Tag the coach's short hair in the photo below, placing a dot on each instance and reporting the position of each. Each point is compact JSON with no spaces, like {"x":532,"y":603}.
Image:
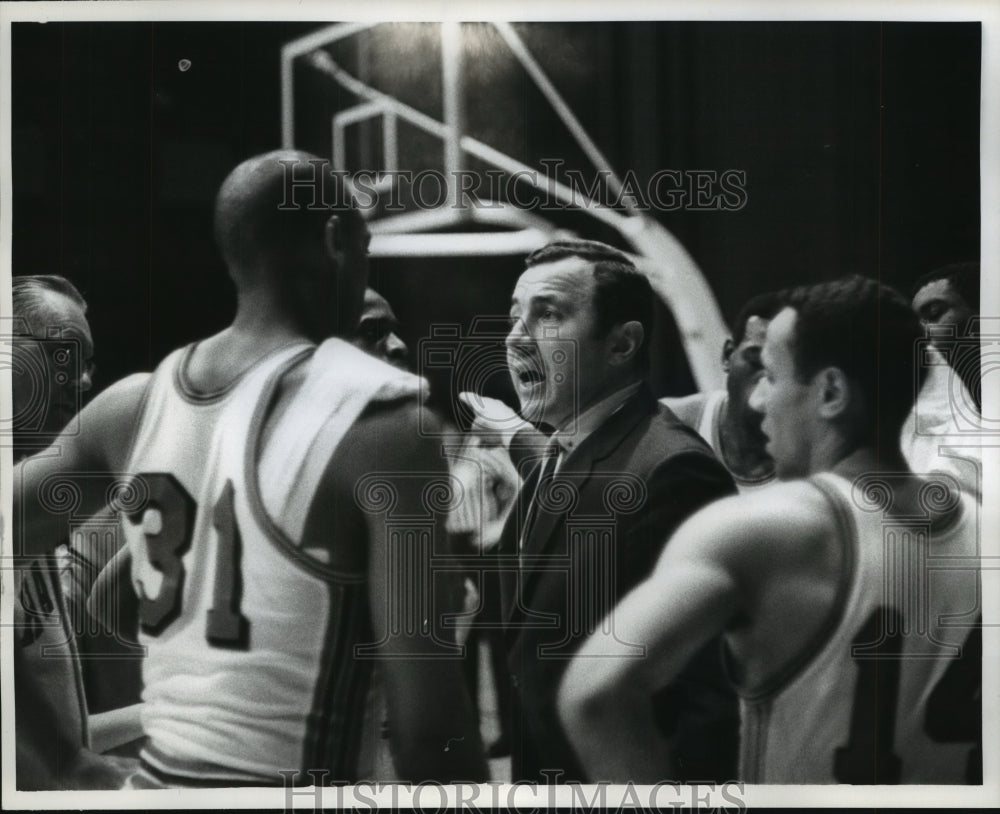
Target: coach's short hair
{"x":963,"y":277}
{"x":30,"y":305}
{"x":870,"y":333}
{"x":621,"y":293}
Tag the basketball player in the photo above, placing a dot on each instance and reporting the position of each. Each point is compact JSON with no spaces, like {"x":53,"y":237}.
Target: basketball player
{"x":846,"y":675}
{"x":378,"y":331}
{"x":947,"y":302}
{"x":724,"y":418}
{"x":488,"y":483}
{"x":731,"y":427}
{"x":258,"y":525}
{"x":937,"y":434}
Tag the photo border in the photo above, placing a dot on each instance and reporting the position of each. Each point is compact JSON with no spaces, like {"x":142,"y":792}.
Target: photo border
{"x":773,"y":10}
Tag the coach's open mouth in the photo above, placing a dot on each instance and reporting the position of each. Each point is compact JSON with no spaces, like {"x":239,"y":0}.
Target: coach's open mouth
{"x":526,"y":369}
{"x":529,"y":376}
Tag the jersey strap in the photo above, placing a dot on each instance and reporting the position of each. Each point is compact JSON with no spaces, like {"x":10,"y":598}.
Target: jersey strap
{"x":342,"y":381}
{"x":709,"y":418}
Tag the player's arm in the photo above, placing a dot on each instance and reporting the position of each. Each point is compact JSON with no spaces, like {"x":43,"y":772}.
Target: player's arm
{"x":97,"y":442}
{"x":112,"y":601}
{"x":696,"y":591}
{"x":114,"y":728}
{"x":433,"y":731}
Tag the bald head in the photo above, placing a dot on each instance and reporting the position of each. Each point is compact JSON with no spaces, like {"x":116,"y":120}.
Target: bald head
{"x":273,"y":208}
{"x":286,"y":223}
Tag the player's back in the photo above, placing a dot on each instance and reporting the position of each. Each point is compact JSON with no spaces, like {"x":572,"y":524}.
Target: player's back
{"x":880,"y":695}
{"x":249,"y":634}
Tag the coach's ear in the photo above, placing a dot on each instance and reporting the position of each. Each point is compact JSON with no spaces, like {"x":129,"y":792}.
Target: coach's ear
{"x":626,"y":340}
{"x":833,"y":391}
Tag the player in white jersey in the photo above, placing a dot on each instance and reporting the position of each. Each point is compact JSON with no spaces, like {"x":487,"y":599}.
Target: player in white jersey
{"x":286,"y":517}
{"x":847,"y":594}
{"x":724,"y":417}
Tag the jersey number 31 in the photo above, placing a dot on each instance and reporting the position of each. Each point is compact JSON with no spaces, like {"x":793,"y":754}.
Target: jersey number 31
{"x":167,"y":521}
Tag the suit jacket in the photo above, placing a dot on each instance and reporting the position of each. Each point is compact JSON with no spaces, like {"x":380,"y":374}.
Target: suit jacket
{"x":595,"y":534}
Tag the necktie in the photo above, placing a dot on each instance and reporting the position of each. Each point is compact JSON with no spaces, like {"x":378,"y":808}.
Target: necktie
{"x":548,"y":468}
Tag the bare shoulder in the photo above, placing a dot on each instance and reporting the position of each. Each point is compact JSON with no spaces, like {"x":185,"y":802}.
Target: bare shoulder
{"x":110,"y":420}
{"x":124,"y":396}
{"x":747,"y":532}
{"x":399,"y":438}
{"x":397,"y":431}
{"x":686,"y":408}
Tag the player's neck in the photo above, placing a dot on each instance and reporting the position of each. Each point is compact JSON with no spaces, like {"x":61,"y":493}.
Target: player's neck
{"x":224,"y":357}
{"x":867,"y":460}
{"x":261,"y":321}
{"x":262,"y":330}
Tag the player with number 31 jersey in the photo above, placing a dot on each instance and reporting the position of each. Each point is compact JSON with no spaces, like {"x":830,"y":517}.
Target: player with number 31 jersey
{"x":231,"y":608}
{"x":272,"y":576}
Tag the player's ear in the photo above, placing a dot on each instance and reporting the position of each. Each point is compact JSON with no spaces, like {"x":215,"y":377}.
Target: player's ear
{"x":834,"y":392}
{"x":727,"y":351}
{"x":334,"y":238}
{"x":626,"y":339}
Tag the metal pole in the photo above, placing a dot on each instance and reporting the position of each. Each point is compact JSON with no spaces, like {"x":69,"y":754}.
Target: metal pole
{"x":451,"y":69}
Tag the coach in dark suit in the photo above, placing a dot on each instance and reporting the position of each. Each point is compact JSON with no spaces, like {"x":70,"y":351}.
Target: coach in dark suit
{"x":601,"y":496}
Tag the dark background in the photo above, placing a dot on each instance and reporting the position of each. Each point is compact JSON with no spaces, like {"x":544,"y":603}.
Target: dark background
{"x":860,"y":142}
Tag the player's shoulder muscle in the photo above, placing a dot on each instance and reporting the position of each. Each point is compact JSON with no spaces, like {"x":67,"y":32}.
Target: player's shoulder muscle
{"x":109,"y":422}
{"x":400,"y":433}
{"x":100,"y":437}
{"x":748,"y":533}
{"x":393,"y":442}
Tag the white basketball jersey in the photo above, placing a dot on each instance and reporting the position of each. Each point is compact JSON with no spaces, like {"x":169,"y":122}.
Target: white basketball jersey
{"x":708,"y":428}
{"x":882,"y":696}
{"x":249,"y":669}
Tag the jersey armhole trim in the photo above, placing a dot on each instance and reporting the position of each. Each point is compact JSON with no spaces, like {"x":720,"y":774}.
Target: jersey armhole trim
{"x":190,"y":394}
{"x":700,"y":420}
{"x":716,"y":443}
{"x":250,"y":474}
{"x":139,"y":421}
{"x":847,"y":533}
{"x":948,"y":520}
{"x":716,"y":440}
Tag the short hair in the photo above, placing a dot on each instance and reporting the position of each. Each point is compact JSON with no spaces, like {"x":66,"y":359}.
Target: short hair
{"x":765,"y":305}
{"x":29,"y":303}
{"x":621,"y":292}
{"x":963,"y":277}
{"x":870,"y":333}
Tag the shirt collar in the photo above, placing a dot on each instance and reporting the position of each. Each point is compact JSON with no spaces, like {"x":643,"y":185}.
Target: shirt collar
{"x":592,"y":418}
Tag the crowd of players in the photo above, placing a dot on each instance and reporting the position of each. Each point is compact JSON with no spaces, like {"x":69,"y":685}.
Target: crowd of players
{"x":731,"y":585}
